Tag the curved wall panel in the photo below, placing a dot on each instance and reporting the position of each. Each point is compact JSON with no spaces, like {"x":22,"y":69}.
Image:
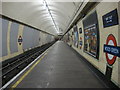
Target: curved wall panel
{"x":4,"y":36}
{"x":14,"y":37}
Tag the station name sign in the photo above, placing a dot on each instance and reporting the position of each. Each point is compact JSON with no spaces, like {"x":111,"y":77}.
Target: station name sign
{"x":114,"y":50}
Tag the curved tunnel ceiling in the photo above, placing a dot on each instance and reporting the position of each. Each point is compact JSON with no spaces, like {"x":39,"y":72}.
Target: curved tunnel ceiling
{"x":46,"y":16}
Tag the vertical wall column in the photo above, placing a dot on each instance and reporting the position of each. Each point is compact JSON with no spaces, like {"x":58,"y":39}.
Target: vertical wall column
{"x":20,"y":33}
{"x":8,"y":38}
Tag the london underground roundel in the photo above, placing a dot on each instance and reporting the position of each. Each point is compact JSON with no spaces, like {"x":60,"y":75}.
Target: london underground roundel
{"x":20,"y":40}
{"x":112,"y":42}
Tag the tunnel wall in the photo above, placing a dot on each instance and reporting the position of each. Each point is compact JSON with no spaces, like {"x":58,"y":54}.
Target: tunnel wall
{"x":99,"y":62}
{"x":17,"y":38}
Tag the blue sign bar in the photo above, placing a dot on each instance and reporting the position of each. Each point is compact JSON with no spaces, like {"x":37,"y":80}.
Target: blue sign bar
{"x":114,"y":50}
{"x":20,"y":40}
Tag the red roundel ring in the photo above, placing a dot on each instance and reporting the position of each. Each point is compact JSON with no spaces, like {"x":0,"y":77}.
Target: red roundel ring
{"x":112,"y":38}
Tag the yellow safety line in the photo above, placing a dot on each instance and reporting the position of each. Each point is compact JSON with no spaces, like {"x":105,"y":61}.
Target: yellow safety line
{"x":18,"y":82}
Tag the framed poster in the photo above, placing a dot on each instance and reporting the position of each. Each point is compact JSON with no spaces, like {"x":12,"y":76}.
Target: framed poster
{"x":91,"y":40}
{"x":76,"y":36}
{"x":91,"y":35}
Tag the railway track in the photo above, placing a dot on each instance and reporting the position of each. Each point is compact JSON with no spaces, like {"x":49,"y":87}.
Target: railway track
{"x":13,"y":66}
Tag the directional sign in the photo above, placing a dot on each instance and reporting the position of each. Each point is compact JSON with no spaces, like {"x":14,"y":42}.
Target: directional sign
{"x":111,"y":19}
{"x":111,"y":49}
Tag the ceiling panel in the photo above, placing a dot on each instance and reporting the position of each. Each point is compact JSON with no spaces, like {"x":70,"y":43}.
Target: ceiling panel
{"x":47,"y":16}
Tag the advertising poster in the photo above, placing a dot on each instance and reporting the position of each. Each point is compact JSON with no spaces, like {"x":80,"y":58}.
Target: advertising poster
{"x":91,"y":35}
{"x":76,"y":37}
{"x":91,"y":40}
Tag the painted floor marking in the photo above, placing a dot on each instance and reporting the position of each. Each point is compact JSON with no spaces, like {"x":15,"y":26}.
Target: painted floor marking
{"x":20,"y":80}
{"x":8,"y":83}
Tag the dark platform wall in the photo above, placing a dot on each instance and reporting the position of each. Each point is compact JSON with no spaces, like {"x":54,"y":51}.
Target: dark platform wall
{"x":36,"y":37}
{"x":28,"y":38}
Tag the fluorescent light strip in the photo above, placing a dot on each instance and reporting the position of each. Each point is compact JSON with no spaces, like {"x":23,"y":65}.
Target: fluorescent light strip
{"x":48,"y":10}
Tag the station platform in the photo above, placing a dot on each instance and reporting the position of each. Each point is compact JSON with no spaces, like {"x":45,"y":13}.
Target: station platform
{"x":59,"y":67}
